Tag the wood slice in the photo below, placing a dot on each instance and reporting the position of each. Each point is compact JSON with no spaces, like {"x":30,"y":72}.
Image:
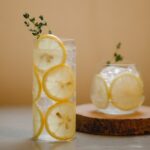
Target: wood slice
{"x":93,"y":122}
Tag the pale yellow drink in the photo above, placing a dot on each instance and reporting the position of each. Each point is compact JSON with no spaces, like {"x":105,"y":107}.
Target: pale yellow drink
{"x":54,"y":89}
{"x":117,"y":89}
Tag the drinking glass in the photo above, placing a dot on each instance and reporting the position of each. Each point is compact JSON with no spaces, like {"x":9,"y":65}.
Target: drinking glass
{"x":54,"y":89}
{"x":117,"y":89}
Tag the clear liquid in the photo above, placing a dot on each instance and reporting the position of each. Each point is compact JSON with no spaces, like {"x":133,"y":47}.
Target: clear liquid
{"x":44,"y":102}
{"x":109,"y":73}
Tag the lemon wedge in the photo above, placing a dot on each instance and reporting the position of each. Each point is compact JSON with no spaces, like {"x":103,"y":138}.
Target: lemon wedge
{"x":50,"y":52}
{"x":38,"y":121}
{"x":36,"y":85}
{"x":59,"y":83}
{"x":100,"y":94}
{"x":127,"y":92}
{"x":60,"y":120}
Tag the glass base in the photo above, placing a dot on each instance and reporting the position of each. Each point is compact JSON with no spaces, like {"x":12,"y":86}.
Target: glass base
{"x":46,"y":137}
{"x":115,"y":111}
{"x":50,"y":139}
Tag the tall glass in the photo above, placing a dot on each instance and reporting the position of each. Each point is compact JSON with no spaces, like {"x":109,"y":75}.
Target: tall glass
{"x":54,"y":89}
{"x":117,"y":89}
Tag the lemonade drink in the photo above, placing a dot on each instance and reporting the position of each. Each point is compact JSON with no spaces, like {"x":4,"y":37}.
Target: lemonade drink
{"x":54,"y":89}
{"x":117,"y":89}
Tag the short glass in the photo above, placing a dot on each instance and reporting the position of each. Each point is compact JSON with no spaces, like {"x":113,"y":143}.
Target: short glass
{"x":54,"y":89}
{"x":117,"y":89}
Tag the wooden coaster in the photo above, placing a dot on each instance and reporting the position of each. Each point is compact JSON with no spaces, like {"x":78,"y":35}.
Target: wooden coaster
{"x":93,"y":122}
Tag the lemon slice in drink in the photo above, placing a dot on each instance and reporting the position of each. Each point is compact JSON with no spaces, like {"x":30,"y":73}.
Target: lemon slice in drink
{"x":100,"y":94}
{"x":127,"y":92}
{"x":58,"y":83}
{"x":38,"y":121}
{"x":50,"y":52}
{"x":60,"y":120}
{"x":36,"y":85}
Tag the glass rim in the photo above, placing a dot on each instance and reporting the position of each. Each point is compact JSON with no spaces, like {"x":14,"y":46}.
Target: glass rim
{"x":61,"y":38}
{"x":123,"y":65}
{"x":66,"y":39}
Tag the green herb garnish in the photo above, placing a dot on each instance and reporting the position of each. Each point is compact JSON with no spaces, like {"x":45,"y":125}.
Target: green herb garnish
{"x":116,"y":57}
{"x":34,"y":26}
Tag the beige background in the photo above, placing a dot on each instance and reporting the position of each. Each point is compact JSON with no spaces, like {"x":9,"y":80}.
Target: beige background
{"x":96,"y":25}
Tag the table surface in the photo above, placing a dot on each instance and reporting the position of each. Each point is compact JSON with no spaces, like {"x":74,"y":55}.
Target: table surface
{"x":16,"y":132}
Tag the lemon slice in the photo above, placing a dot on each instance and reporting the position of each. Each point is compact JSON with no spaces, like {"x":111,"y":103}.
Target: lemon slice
{"x":38,"y":121}
{"x":36,"y":85}
{"x":58,"y":83}
{"x":127,"y":92}
{"x":60,"y":120}
{"x":50,"y":52}
{"x":100,"y":94}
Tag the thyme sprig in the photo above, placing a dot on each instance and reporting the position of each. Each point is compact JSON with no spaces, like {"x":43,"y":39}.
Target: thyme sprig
{"x":116,"y":56}
{"x":35,"y":26}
